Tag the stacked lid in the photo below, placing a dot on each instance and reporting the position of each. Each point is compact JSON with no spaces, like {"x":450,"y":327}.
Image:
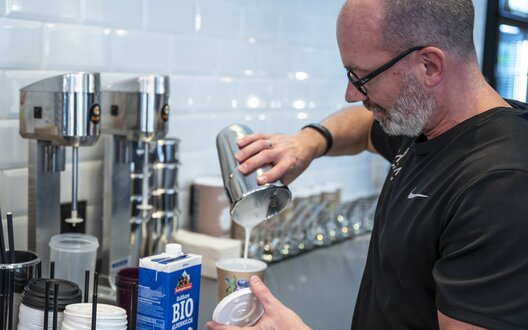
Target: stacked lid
{"x":31,"y":313}
{"x":79,"y":317}
{"x":35,"y":292}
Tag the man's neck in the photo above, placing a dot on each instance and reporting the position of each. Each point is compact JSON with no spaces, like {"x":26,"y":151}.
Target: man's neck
{"x":462,"y":99}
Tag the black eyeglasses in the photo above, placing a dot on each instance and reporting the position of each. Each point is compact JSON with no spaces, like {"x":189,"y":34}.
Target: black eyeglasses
{"x":360,"y":82}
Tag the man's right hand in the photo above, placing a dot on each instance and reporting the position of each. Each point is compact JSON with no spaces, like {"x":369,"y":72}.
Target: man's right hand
{"x":289,"y":155}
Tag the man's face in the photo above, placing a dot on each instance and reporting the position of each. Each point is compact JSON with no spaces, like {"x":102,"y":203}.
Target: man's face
{"x":396,"y":97}
{"x":410,"y":111}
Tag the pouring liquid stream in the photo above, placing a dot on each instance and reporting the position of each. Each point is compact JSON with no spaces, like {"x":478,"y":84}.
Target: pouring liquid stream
{"x":253,"y":214}
{"x":246,"y":245}
{"x":248,"y":226}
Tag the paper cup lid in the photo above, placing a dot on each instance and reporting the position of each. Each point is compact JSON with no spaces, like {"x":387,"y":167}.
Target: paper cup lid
{"x":104,"y":311}
{"x":241,"y":308}
{"x":34,"y":294}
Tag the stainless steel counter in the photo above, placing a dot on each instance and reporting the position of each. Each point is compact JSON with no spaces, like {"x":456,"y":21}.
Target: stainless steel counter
{"x":320,"y":286}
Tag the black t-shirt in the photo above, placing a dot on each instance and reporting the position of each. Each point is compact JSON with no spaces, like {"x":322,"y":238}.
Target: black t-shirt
{"x":451,"y":228}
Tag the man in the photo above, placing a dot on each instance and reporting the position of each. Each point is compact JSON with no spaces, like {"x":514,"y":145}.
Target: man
{"x":448,"y":248}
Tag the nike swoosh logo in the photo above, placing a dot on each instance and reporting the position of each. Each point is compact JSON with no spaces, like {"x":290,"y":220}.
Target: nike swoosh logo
{"x":413,"y":195}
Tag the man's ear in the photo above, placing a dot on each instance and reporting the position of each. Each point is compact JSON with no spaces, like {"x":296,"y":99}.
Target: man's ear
{"x":433,"y":65}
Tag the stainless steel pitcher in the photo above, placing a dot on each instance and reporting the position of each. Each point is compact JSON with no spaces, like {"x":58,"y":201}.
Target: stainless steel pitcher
{"x":250,"y":202}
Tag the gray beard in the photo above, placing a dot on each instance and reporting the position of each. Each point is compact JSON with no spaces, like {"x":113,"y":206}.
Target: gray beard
{"x":411,"y":112}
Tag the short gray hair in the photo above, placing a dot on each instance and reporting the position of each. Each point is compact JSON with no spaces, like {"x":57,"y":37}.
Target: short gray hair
{"x":447,"y":24}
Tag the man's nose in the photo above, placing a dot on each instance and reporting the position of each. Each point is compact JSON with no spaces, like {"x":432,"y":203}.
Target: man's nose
{"x":352,"y":94}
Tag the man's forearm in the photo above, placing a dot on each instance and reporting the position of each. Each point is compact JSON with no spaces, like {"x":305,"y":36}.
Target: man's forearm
{"x":350,"y":129}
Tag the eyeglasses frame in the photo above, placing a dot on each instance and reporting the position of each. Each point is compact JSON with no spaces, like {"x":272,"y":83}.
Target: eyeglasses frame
{"x":360,"y":82}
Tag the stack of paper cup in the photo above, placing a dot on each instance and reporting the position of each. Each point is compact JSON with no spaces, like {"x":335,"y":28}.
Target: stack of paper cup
{"x":79,"y":317}
{"x":31,"y":313}
{"x":32,"y":318}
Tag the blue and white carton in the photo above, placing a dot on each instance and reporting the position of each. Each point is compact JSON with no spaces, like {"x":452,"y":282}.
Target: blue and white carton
{"x":169,"y":290}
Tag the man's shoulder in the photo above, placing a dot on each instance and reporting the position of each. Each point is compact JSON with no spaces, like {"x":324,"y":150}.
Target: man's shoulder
{"x":517,"y":104}
{"x":504,"y":122}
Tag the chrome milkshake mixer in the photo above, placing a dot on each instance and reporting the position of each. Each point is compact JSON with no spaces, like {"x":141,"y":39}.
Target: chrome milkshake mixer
{"x":57,"y":112}
{"x":135,"y":119}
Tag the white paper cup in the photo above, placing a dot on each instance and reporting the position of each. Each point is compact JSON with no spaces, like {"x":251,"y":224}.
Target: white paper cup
{"x":234,"y":273}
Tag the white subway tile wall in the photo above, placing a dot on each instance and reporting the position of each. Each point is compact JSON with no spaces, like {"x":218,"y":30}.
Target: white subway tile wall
{"x":140,"y":51}
{"x":195,"y":56}
{"x":169,"y":16}
{"x":260,"y":25}
{"x":271,"y":64}
{"x":237,"y":58}
{"x":70,"y":47}
{"x":119,"y":14}
{"x":20,"y":44}
{"x":50,"y":10}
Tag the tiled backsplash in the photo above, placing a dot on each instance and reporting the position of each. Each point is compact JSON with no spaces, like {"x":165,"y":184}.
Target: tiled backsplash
{"x":272,"y":64}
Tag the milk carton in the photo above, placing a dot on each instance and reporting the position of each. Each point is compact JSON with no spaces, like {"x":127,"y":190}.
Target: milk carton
{"x":169,"y":290}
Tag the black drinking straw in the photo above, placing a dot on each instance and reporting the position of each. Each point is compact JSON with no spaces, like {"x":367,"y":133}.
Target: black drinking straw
{"x":55,"y":304}
{"x":10,"y":237}
{"x":11,"y":274}
{"x":52,"y":270}
{"x":2,"y":277}
{"x":133,"y":307}
{"x":46,"y":305}
{"x":39,"y":270}
{"x":94,"y":300}
{"x":86,"y":285}
{"x":2,"y":242}
{"x":2,"y":272}
{"x":2,"y":293}
{"x":11,"y":284}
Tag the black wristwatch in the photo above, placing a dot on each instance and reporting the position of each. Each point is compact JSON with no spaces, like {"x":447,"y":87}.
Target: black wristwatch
{"x":324,"y":132}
